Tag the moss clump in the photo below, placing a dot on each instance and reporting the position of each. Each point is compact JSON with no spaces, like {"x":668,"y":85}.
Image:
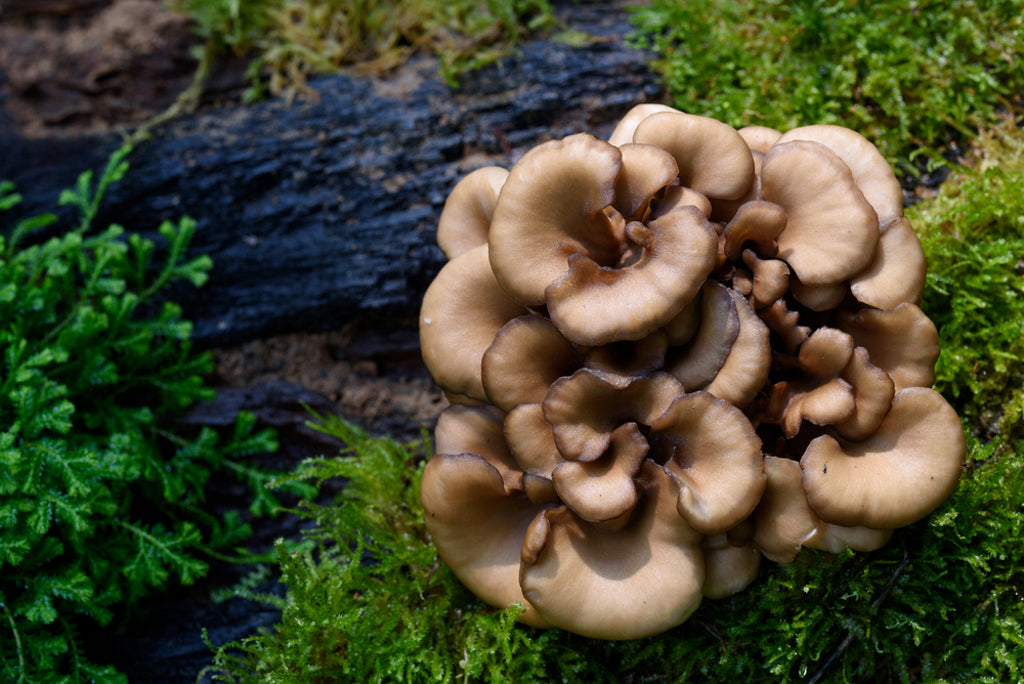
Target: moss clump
{"x":904,"y":73}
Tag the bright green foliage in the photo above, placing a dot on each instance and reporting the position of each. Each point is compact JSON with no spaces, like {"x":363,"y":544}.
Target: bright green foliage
{"x":943,"y":601}
{"x":973,"y":233}
{"x":99,"y":498}
{"x":291,"y":40}
{"x":905,"y":73}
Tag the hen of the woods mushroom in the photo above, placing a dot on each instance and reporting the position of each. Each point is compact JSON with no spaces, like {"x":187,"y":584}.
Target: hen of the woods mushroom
{"x":669,"y":355}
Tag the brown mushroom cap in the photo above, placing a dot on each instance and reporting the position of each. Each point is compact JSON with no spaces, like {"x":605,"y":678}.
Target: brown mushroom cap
{"x":713,"y":159}
{"x":466,"y":217}
{"x":818,"y":297}
{"x":624,"y":130}
{"x":531,"y":441}
{"x":463,"y":309}
{"x":477,"y":430}
{"x":646,"y":170}
{"x":526,"y":356}
{"x":552,"y":206}
{"x":896,"y":476}
{"x":710,"y":448}
{"x":757,"y":221}
{"x":770,"y":279}
{"x":594,"y":305}
{"x":827,"y":404}
{"x":719,"y":324}
{"x":745,"y":371}
{"x":621,"y":362}
{"x":629,"y":583}
{"x":902,"y":341}
{"x":759,"y":138}
{"x":831,"y":229}
{"x":871,"y":172}
{"x":730,"y":568}
{"x":584,"y":409}
{"x":786,"y":324}
{"x":897,"y":271}
{"x":603,"y":490}
{"x":478,"y":527}
{"x":873,"y":391}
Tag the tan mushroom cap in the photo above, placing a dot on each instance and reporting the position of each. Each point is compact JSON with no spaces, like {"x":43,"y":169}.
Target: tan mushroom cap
{"x":825,"y":353}
{"x":896,"y":274}
{"x":873,"y":391}
{"x":759,"y":138}
{"x":630,"y":583}
{"x":477,"y":430}
{"x":902,"y":341}
{"x":603,"y":490}
{"x":896,"y":476}
{"x":730,"y":568}
{"x":463,"y":309}
{"x":770,"y":279}
{"x":713,"y":158}
{"x":552,"y":206}
{"x":818,"y":297}
{"x":676,"y":196}
{"x":594,"y":305}
{"x":784,"y":522}
{"x":757,"y":221}
{"x":478,"y":527}
{"x":745,"y":370}
{"x":624,"y":130}
{"x":827,"y":404}
{"x":646,"y":170}
{"x":526,"y":356}
{"x":831,"y":230}
{"x":719,"y":325}
{"x":531,"y":441}
{"x":466,"y":217}
{"x":622,"y":362}
{"x":584,"y":409}
{"x":871,"y":172}
{"x":710,"y":448}
{"x":786,"y":324}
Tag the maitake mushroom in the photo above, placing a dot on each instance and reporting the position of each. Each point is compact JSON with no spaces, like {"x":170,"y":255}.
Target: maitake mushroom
{"x":669,"y":355}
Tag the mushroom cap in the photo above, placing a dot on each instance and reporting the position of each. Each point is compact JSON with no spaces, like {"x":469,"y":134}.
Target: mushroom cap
{"x":477,"y":430}
{"x":624,"y":130}
{"x":786,"y":324}
{"x":896,"y":476}
{"x":831,"y":228}
{"x":603,"y":490}
{"x":710,"y":448}
{"x":745,"y":370}
{"x":713,"y":158}
{"x":756,"y":221}
{"x":729,"y":569}
{"x":478,"y":527}
{"x":646,"y":170}
{"x":871,"y":172}
{"x":628,"y":583}
{"x":825,"y":353}
{"x":818,"y":297}
{"x":759,"y":138}
{"x":873,"y":391}
{"x":531,"y":441}
{"x":621,"y":362}
{"x":770,"y":279}
{"x":896,"y":273}
{"x":594,"y":305}
{"x":583,"y":409}
{"x":550,"y":207}
{"x":526,"y":356}
{"x":902,"y":341}
{"x":463,"y":309}
{"x":466,"y":217}
{"x":717,"y":329}
{"x":827,"y":404}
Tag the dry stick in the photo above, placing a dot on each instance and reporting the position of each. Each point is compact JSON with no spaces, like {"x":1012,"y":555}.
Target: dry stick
{"x":874,"y":608}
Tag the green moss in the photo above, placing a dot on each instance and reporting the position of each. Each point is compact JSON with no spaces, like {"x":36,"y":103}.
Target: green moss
{"x":905,"y":73}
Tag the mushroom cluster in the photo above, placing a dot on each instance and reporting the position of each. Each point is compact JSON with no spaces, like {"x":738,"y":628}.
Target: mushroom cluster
{"x":670,"y":354}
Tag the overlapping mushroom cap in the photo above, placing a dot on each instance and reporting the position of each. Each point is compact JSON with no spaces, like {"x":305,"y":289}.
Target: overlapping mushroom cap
{"x":669,"y":355}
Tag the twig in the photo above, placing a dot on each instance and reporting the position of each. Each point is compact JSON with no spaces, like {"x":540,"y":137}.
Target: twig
{"x":848,"y":639}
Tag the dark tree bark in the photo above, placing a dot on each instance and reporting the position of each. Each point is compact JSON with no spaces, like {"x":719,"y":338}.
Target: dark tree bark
{"x":321,"y":213}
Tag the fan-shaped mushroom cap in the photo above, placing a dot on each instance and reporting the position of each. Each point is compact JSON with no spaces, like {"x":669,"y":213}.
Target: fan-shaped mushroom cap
{"x":531,"y":441}
{"x":826,"y":404}
{"x":759,"y":222}
{"x":745,"y":371}
{"x":719,"y":324}
{"x":759,"y":138}
{"x":818,"y":297}
{"x":467,"y":212}
{"x":770,"y":279}
{"x":831,"y":229}
{"x":526,"y":356}
{"x":603,"y":490}
{"x":871,"y":172}
{"x":646,"y":170}
{"x":730,"y":567}
{"x":629,"y":583}
{"x":902,"y":341}
{"x":896,"y":273}
{"x":462,"y":310}
{"x":552,"y":206}
{"x":825,"y":353}
{"x":624,"y":130}
{"x":594,"y":305}
{"x":584,"y":409}
{"x":710,"y":448}
{"x":713,"y":159}
{"x":477,"y":430}
{"x":784,"y":522}
{"x":622,"y":362}
{"x":786,"y":324}
{"x":478,"y":527}
{"x":896,"y":476}
{"x":676,"y":196}
{"x":873,"y":391}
